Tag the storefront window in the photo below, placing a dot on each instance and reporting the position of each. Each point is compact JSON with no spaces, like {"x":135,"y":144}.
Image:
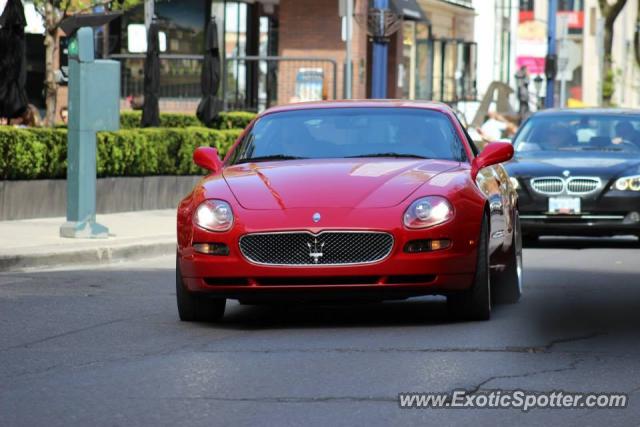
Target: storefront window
{"x":437,"y":70}
{"x":423,"y":66}
{"x":406,"y":71}
{"x":450,"y":60}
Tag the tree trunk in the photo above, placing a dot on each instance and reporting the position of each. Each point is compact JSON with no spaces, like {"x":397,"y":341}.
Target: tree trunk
{"x":51,"y":87}
{"x":610,"y":12}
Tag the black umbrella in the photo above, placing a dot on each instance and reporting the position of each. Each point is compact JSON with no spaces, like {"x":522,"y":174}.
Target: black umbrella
{"x":13,"y":70}
{"x":209,"y":106}
{"x":151,"y":109}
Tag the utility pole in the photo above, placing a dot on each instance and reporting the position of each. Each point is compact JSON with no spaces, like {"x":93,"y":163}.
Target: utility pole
{"x":380,"y":53}
{"x":148,"y":12}
{"x":563,"y":59}
{"x":348,"y":69}
{"x":551,"y":66}
{"x":600,"y":48}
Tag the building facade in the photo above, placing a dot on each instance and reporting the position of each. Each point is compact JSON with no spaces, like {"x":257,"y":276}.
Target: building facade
{"x":283,"y":51}
{"x":581,"y":50}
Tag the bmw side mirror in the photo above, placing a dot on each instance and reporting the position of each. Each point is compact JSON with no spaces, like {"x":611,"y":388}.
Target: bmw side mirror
{"x":494,"y":153}
{"x":207,"y":158}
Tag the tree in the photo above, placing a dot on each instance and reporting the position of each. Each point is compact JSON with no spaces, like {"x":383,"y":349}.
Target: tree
{"x":53,"y":12}
{"x":610,"y":12}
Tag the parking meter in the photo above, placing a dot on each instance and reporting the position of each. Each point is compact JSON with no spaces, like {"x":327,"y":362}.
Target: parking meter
{"x":94,"y":105}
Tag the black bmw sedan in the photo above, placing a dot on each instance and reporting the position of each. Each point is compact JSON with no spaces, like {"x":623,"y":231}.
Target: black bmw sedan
{"x":577,"y":172}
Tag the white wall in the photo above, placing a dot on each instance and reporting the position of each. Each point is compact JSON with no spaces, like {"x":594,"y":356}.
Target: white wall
{"x":487,"y":35}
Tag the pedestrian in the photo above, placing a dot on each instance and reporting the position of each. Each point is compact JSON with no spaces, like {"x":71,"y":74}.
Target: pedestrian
{"x":496,"y":127}
{"x":64,"y":115}
{"x":29,"y":118}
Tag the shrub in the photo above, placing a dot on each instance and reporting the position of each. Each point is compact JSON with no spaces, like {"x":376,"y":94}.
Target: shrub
{"x":226,"y":120}
{"x":41,"y":153}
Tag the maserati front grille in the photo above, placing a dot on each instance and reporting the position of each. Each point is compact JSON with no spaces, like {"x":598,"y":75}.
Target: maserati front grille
{"x":548,"y":185}
{"x":301,"y":248}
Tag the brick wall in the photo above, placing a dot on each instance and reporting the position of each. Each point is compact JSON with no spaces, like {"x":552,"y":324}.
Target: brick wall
{"x":312,"y":28}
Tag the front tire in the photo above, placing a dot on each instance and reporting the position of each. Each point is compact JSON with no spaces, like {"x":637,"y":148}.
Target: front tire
{"x":475,"y":304}
{"x":507,"y":286}
{"x":196,"y":308}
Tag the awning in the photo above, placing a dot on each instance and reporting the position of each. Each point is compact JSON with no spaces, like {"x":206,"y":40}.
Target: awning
{"x":408,"y":9}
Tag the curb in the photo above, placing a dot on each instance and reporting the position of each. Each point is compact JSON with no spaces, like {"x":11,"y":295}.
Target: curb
{"x":84,"y":256}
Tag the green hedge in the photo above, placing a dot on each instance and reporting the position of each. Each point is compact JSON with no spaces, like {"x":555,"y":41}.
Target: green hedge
{"x":226,"y":120}
{"x":41,"y":153}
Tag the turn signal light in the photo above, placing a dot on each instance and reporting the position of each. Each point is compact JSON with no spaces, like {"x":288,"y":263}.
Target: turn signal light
{"x":417,"y":246}
{"x":211,"y":248}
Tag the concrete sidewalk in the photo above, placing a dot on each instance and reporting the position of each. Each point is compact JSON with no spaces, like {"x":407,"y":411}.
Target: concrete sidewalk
{"x":35,"y":243}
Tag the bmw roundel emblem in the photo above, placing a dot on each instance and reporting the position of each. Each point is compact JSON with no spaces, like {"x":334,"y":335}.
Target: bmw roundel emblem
{"x":566,"y":173}
{"x":316,"y":217}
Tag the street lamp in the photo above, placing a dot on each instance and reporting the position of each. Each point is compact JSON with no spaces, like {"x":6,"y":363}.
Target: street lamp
{"x":522,"y":83}
{"x":537,"y":84}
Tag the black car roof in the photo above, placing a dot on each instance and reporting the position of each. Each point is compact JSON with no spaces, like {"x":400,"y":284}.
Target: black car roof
{"x":587,"y":111}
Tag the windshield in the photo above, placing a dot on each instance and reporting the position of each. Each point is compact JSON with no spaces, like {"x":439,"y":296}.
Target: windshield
{"x":350,"y":133}
{"x":580,"y":132}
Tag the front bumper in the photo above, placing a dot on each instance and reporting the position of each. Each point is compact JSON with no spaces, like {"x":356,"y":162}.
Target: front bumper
{"x":577,"y":225}
{"x":603,"y":214}
{"x":400,"y":275}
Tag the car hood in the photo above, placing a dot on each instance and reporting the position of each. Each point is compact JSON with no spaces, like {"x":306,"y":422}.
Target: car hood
{"x":341,"y":183}
{"x":602,"y":164}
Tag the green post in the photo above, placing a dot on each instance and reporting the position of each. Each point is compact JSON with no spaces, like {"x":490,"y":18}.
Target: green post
{"x":94,"y":105}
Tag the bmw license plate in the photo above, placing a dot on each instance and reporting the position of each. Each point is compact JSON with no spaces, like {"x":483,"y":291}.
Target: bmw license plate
{"x":564,"y":205}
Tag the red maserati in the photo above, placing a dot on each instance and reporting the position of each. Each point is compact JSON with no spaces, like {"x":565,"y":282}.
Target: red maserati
{"x":350,"y":200}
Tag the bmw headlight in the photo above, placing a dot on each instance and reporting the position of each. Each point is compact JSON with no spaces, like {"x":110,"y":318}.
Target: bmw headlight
{"x":214,"y":215}
{"x":427,"y":212}
{"x":628,"y":183}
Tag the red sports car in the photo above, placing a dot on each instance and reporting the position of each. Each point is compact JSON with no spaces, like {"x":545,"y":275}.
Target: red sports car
{"x":336,"y":200}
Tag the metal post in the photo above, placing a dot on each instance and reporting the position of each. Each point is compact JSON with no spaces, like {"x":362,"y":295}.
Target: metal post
{"x":549,"y":100}
{"x":380,"y":57}
{"x":148,"y":12}
{"x":600,"y":48}
{"x":348,"y":81}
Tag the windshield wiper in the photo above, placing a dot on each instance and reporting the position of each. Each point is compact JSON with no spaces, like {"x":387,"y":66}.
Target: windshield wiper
{"x":274,"y":157}
{"x":397,"y":155}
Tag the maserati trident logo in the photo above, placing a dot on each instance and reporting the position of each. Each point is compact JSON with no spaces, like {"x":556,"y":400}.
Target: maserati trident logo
{"x":315,"y":250}
{"x":316,"y":217}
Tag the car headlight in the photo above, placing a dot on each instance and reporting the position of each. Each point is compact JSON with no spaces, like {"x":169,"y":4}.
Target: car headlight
{"x":427,"y":212}
{"x":514,"y":183}
{"x":214,"y":215}
{"x":628,"y":183}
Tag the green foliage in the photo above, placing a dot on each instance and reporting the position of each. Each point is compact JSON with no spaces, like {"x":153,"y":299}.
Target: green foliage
{"x":611,"y":77}
{"x":226,"y":120}
{"x":41,"y":153}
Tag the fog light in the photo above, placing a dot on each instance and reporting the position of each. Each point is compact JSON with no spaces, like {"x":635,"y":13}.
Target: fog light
{"x":417,"y":246}
{"x":212,"y":248}
{"x":632,"y":218}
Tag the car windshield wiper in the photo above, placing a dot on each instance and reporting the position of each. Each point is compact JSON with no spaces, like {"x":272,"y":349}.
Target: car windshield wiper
{"x":398,"y":155}
{"x":274,"y":157}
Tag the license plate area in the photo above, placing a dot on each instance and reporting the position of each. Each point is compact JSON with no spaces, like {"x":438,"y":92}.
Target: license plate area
{"x":565,"y":205}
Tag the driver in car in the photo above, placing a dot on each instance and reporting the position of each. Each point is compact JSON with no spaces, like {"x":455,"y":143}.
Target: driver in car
{"x":626,"y":132}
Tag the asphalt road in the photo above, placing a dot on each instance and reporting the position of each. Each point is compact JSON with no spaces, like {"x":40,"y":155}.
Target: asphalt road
{"x":104,"y":347}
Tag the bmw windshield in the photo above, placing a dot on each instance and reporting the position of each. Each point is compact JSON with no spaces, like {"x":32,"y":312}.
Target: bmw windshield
{"x":351,"y":133}
{"x":580,"y":133}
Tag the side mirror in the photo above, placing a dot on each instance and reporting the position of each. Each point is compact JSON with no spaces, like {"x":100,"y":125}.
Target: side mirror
{"x":207,"y":158}
{"x":494,"y":153}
